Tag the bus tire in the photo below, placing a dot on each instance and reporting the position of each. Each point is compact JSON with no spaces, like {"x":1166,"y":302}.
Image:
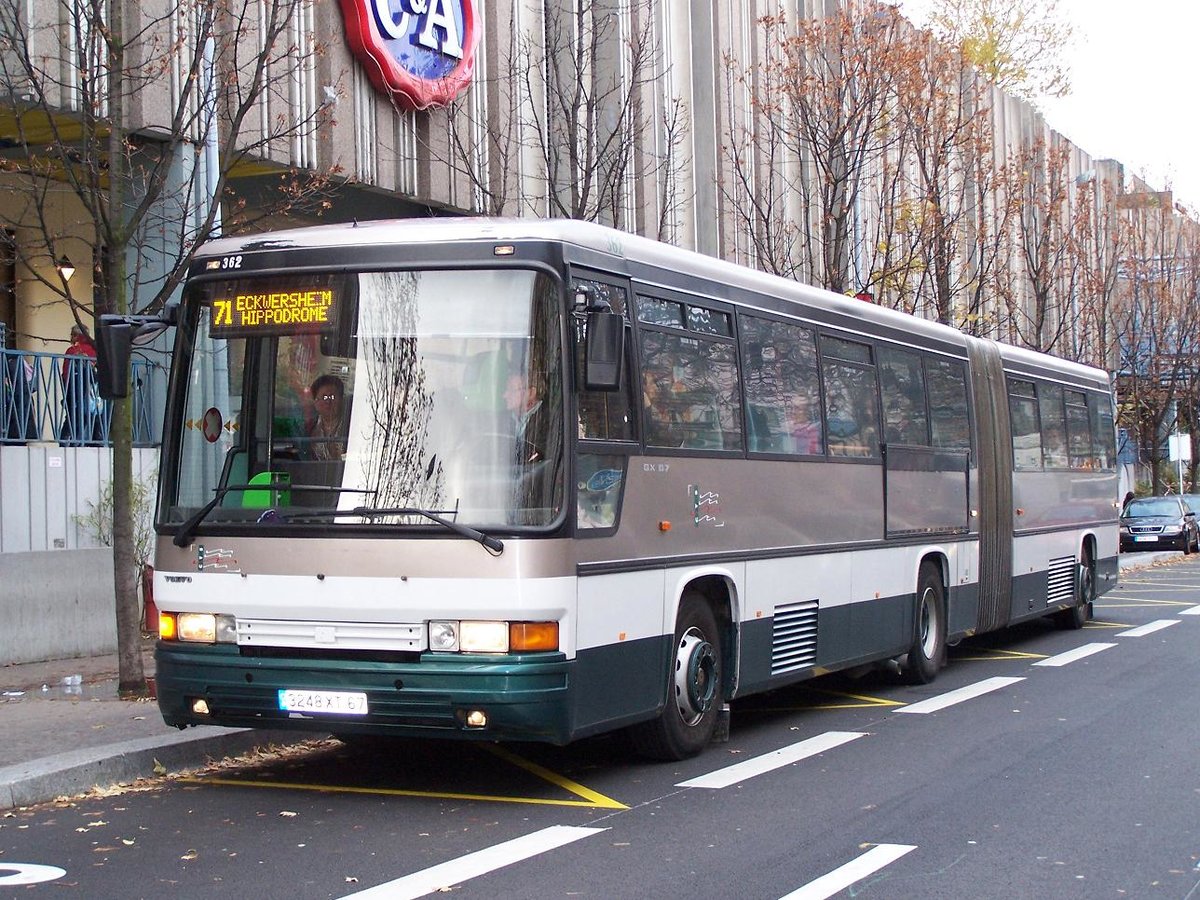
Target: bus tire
{"x":695,"y":693}
{"x":1085,"y":589}
{"x":928,"y":651}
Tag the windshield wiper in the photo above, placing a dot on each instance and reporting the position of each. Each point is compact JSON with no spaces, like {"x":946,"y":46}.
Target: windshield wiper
{"x":184,"y":534}
{"x":369,"y":512}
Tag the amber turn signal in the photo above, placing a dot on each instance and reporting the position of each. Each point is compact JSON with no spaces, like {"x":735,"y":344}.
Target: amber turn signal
{"x":532,"y":636}
{"x":166,"y":627}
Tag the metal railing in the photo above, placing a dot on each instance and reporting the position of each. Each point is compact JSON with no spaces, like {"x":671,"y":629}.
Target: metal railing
{"x":54,"y":397}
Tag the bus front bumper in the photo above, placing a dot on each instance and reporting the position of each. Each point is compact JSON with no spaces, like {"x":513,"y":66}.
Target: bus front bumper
{"x":520,"y":697}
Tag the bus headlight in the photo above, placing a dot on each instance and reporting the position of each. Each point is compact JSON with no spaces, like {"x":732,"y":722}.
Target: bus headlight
{"x":492,"y":637}
{"x":201,"y":628}
{"x":443,"y":636}
{"x":483,"y":637}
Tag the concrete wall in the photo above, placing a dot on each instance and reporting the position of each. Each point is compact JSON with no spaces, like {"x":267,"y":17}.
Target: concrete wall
{"x":44,"y":487}
{"x":56,"y":581}
{"x":56,"y":604}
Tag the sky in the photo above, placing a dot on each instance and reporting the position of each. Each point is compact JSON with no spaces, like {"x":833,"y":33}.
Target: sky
{"x":1134,"y":68}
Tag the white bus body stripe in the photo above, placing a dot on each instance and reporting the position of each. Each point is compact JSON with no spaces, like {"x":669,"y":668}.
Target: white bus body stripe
{"x":1148,"y":628}
{"x":456,"y":871}
{"x":768,"y":762}
{"x":971,"y":691}
{"x":856,"y":870}
{"x":1071,"y":655}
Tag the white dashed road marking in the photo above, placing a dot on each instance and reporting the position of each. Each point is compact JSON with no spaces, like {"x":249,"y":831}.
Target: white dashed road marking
{"x":856,"y":870}
{"x":768,"y":762}
{"x":1149,"y":628}
{"x":456,"y":871}
{"x":970,"y":692}
{"x":1072,"y":655}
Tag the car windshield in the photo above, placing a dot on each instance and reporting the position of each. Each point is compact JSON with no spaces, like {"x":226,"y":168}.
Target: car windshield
{"x":438,"y":391}
{"x":1153,"y":506}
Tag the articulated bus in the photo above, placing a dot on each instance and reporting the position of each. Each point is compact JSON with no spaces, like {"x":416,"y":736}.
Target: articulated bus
{"x":539,"y":480}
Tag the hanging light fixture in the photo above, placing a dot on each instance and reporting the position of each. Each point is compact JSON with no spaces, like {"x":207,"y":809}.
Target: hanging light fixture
{"x":65,"y":267}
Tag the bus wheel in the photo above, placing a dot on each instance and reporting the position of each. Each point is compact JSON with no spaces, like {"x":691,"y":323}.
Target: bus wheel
{"x":1085,"y":588}
{"x":928,"y":651}
{"x":694,"y":691}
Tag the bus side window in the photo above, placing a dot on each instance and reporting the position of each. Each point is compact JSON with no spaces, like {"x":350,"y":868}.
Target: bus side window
{"x":603,"y":415}
{"x":1026,"y":433}
{"x":948,"y":419}
{"x":779,"y":363}
{"x":1079,"y":434}
{"x":1054,"y":426}
{"x":902,"y":384}
{"x":690,"y":389}
{"x":1104,"y":446}
{"x":851,"y":405}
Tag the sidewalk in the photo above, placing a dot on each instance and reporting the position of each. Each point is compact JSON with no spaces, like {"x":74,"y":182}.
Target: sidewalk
{"x":61,"y":739}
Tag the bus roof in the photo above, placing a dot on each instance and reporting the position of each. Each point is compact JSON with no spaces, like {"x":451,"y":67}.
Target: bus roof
{"x":632,"y":248}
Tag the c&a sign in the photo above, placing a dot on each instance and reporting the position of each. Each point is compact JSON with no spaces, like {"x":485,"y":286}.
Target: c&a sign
{"x":421,"y":52}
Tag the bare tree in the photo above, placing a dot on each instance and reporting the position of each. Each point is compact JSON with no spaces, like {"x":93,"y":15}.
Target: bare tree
{"x":1042,"y":287}
{"x":952,"y":181}
{"x":1099,"y":244}
{"x":1016,"y":45}
{"x":574,"y":118}
{"x":1159,"y":323}
{"x":823,"y":104}
{"x":113,"y":104}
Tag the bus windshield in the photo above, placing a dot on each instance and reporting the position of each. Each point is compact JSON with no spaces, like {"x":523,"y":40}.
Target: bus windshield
{"x":347,"y":399}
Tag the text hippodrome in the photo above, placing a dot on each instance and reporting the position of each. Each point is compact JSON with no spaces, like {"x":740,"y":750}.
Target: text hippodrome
{"x":275,"y":308}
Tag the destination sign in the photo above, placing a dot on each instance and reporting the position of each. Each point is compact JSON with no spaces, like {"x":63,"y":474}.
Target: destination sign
{"x":274,"y":312}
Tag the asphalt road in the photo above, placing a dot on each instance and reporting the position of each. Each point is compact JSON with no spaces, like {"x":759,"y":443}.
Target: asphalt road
{"x":1041,"y":763}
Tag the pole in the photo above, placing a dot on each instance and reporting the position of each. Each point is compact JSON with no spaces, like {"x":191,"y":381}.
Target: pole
{"x":211,"y":154}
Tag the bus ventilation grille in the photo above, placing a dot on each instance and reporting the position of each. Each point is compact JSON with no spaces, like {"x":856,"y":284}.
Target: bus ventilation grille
{"x":1060,"y":586}
{"x":794,"y":638}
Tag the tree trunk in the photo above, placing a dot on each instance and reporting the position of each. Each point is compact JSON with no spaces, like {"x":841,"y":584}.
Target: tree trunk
{"x":131,"y":673}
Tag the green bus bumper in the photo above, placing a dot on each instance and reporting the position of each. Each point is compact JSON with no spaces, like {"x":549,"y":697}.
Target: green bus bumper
{"x":523,"y":697}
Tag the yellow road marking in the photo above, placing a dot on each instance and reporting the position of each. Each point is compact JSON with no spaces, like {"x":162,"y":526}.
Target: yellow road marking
{"x":989,"y":655}
{"x":1096,"y":623}
{"x":595,"y":799}
{"x":589,"y":799}
{"x":1158,"y":586}
{"x":1135,"y":602}
{"x":398,"y":792}
{"x":865,"y":702}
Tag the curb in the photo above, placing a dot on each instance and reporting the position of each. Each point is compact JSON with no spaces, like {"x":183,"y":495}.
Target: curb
{"x":79,"y":771}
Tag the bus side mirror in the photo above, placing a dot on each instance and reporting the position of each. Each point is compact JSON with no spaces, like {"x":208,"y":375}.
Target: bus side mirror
{"x":604,"y":351}
{"x":114,"y":346}
{"x":116,"y":336}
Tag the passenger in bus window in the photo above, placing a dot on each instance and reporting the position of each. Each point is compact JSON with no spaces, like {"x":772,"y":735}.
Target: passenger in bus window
{"x":523,"y":400}
{"x":662,"y":420}
{"x":900,"y":426}
{"x":327,"y":430}
{"x":805,"y":424}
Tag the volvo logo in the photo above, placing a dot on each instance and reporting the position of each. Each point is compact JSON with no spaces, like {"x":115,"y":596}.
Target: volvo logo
{"x":419,"y":52}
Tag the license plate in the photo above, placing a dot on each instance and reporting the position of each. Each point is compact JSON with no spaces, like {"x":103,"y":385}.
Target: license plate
{"x":343,"y":703}
{"x":1145,"y":538}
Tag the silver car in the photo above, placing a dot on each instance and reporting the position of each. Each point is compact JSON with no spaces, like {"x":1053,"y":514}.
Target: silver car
{"x":1159,"y":523}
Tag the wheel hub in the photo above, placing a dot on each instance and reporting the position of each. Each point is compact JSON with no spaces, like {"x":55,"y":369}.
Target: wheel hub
{"x":695,"y":676}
